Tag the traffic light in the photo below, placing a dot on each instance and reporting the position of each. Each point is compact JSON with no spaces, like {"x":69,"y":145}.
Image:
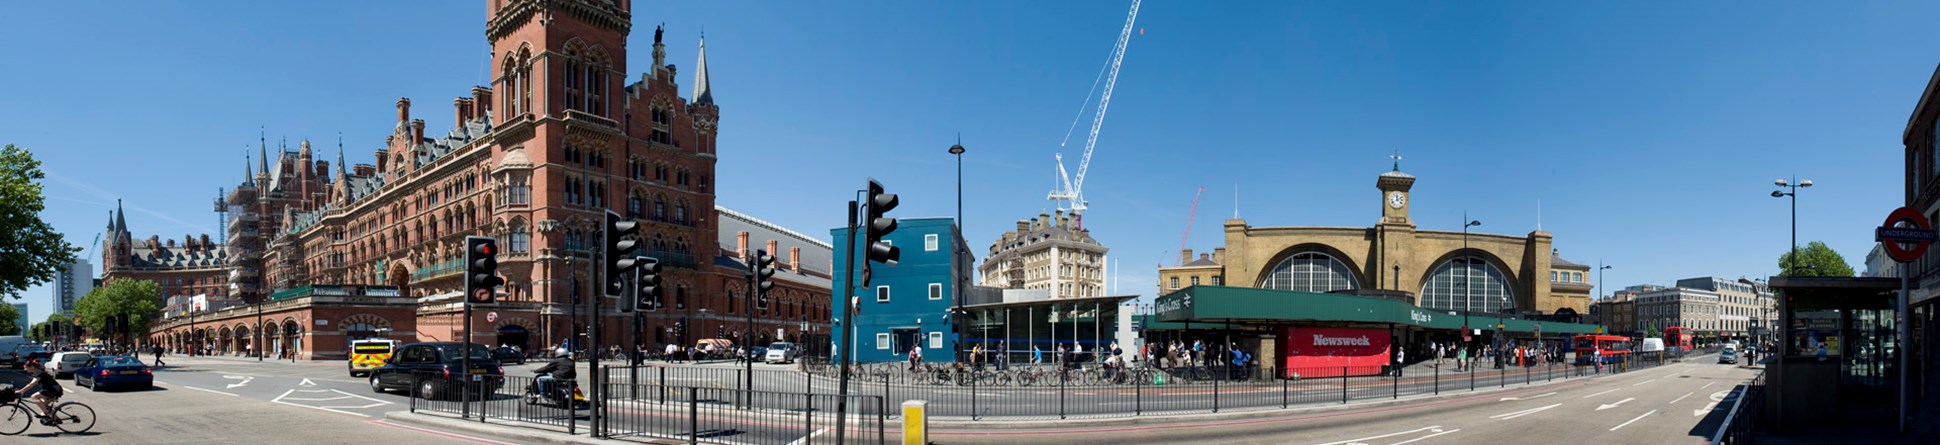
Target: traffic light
{"x":481,"y":270}
{"x":646,"y":284}
{"x":764,"y":277}
{"x":619,"y":249}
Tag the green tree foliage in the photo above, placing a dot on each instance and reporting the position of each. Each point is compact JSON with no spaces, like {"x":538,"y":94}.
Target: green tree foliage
{"x":9,"y":319}
{"x":137,"y":299}
{"x":30,"y":249}
{"x":44,"y":330}
{"x":1814,"y":260}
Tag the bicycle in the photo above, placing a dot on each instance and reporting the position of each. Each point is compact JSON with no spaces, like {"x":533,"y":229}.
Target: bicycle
{"x":16,"y":416}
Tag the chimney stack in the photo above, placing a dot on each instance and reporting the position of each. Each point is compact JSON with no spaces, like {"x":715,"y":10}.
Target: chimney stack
{"x":741,"y":244}
{"x":1219,"y":255}
{"x":417,"y":131}
{"x":1185,"y":256}
{"x":481,"y":101}
{"x":795,"y":259}
{"x":773,"y":246}
{"x":381,"y":159}
{"x":403,"y":109}
{"x":1023,"y":227}
{"x":462,"y":111}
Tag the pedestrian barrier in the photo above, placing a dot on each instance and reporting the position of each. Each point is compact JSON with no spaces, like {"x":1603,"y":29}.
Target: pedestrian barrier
{"x":1742,"y":421}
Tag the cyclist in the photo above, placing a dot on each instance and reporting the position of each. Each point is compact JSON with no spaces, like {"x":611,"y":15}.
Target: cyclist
{"x":50,"y":390}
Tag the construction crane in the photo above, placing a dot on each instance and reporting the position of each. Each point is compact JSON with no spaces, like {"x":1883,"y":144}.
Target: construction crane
{"x":1189,"y":218}
{"x":1070,"y":190}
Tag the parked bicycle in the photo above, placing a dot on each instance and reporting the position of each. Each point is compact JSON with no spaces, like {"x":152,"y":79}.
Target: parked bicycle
{"x":16,"y":416}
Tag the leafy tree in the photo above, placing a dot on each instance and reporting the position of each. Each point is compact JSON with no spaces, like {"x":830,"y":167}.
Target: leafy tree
{"x":9,"y":319}
{"x":32,"y":250}
{"x":1814,"y":260}
{"x":137,"y":299}
{"x":44,"y":330}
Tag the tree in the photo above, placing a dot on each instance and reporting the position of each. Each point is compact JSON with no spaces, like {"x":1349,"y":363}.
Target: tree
{"x":136,"y":299}
{"x":9,"y":319}
{"x":34,"y":251}
{"x":1814,"y":260}
{"x":44,"y":330}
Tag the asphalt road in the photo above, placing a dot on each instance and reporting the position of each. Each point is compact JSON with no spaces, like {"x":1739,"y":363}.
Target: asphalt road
{"x":174,"y":414}
{"x":1677,"y":403}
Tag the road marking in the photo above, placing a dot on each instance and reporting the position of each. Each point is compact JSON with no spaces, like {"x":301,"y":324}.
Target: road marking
{"x":1643,"y":382}
{"x":1505,"y":399}
{"x":1381,"y":436}
{"x":1707,"y":385}
{"x":1512,"y":415}
{"x":307,"y":382}
{"x":1598,"y":394}
{"x":1614,"y":428}
{"x":1614,"y":405}
{"x":810,"y":438}
{"x":1425,"y":437}
{"x":1716,"y":397}
{"x":245,"y":380}
{"x":1688,"y":394}
{"x":211,"y":390}
{"x":440,"y":433}
{"x":279,"y":399}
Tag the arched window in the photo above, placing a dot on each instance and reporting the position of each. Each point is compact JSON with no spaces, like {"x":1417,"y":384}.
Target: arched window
{"x":1468,"y":282}
{"x":1310,"y":272}
{"x":520,"y":240}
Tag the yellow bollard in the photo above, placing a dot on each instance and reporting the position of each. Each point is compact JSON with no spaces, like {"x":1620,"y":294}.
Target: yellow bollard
{"x":916,"y":422}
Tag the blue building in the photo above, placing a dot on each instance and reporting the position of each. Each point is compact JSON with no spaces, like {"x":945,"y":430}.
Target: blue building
{"x":907,"y":304}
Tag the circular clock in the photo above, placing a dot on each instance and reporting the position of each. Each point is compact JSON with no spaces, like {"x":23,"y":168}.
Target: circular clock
{"x":1396,"y":199}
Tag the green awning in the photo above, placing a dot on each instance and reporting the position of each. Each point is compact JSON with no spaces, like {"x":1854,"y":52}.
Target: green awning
{"x":1241,"y":305}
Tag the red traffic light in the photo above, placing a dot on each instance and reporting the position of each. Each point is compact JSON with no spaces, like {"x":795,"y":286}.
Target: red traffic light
{"x":485,"y":249}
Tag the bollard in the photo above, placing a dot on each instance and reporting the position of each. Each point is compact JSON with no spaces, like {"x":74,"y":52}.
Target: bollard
{"x":1343,"y":385}
{"x":1285,"y":381}
{"x":693,"y":415}
{"x":916,"y":424}
{"x":663,"y":385}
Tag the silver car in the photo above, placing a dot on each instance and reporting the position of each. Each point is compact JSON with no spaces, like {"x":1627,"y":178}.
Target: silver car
{"x":780,"y":352}
{"x":65,"y":363}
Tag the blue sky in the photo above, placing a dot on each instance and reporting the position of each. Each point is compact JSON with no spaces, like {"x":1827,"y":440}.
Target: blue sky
{"x":1650,"y":131}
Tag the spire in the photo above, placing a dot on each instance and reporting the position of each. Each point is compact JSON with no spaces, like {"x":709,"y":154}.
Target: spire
{"x":1397,"y":158}
{"x":262,"y":153}
{"x":340,"y":157}
{"x":121,"y":218}
{"x":247,"y":172}
{"x":703,"y":94}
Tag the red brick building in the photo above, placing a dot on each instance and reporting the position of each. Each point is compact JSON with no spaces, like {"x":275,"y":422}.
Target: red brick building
{"x":194,"y":266}
{"x":561,"y":135}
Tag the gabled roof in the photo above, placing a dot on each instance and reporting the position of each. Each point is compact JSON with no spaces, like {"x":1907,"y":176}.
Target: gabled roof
{"x":176,"y":257}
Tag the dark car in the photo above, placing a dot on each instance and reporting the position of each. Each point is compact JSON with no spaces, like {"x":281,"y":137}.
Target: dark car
{"x":508,"y":355}
{"x":26,"y":353}
{"x":115,"y":370}
{"x":434,"y":370}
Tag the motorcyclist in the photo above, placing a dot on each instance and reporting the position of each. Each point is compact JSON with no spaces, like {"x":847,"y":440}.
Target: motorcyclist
{"x":560,"y":368}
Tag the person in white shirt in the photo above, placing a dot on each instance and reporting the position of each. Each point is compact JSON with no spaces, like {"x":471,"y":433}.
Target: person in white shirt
{"x":915,"y":356}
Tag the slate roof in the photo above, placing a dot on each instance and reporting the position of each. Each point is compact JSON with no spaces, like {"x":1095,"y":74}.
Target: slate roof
{"x":177,"y":257}
{"x":1201,"y":262}
{"x":1557,"y":261}
{"x":816,"y":254}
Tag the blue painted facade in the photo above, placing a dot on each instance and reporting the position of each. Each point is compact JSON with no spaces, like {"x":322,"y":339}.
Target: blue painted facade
{"x":909,"y":300}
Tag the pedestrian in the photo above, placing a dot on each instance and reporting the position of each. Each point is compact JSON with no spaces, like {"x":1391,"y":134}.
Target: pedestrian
{"x":1037,"y":355}
{"x":1400,"y":360}
{"x":158,"y":356}
{"x":671,"y":349}
{"x":915,"y":356}
{"x":1461,"y":359}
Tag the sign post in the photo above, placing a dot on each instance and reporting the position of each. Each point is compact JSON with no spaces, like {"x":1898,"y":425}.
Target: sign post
{"x":1905,"y":236}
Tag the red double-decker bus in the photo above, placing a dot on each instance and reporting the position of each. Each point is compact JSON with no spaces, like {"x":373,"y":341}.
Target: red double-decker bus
{"x":1604,"y":348}
{"x":1677,"y":340}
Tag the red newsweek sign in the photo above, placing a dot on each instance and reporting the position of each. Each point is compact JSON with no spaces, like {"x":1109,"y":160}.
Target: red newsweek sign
{"x":1328,"y":352}
{"x":1905,"y":235}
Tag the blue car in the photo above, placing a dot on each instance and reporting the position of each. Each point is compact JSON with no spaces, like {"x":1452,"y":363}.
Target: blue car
{"x":115,"y":371}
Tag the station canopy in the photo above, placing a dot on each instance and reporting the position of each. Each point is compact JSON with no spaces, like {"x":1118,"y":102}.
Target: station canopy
{"x":1244,"y":305}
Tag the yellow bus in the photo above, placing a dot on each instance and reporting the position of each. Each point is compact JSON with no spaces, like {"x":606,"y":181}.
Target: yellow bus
{"x":370,"y":353}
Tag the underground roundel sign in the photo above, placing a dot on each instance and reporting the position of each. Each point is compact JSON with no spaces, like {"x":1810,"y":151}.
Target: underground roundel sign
{"x":1905,"y":235}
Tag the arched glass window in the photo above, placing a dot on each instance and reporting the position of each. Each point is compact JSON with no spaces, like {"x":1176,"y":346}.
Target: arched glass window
{"x":1310,"y":272}
{"x":1468,"y":281}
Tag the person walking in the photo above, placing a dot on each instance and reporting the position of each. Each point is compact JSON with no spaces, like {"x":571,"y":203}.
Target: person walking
{"x":1037,"y":355}
{"x":158,"y":356}
{"x":1461,"y":360}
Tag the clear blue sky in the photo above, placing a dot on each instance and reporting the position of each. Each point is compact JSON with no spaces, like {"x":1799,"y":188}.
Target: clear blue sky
{"x":1650,"y":132}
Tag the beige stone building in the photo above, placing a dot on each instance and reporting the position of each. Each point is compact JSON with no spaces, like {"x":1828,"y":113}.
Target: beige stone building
{"x":1449,"y":270}
{"x":1192,"y":272}
{"x":1048,"y":253}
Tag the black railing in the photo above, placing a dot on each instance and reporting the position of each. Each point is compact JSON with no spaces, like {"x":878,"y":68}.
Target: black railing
{"x":1742,"y":421}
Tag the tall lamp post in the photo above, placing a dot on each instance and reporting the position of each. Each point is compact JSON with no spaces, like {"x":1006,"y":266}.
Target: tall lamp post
{"x":1468,"y":291}
{"x":1793,"y":265}
{"x":956,"y":288}
{"x":1600,"y":267}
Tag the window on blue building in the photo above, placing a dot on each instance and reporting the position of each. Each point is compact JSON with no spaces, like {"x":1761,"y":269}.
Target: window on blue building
{"x":929,"y":243}
{"x":936,"y":291}
{"x":882,"y":341}
{"x":882,"y":294}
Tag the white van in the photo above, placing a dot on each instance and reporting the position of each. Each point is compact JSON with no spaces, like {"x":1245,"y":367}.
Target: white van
{"x":1651,"y":344}
{"x":7,"y":343}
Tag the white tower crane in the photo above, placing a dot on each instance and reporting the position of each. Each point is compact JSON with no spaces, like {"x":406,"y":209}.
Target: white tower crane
{"x":1071,"y":190}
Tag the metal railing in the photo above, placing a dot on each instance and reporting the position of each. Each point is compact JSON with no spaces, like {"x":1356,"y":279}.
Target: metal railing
{"x":1742,"y":421}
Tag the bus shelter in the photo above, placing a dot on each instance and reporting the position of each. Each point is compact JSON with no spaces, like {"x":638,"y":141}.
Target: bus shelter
{"x":1360,"y":334}
{"x":1836,"y":362}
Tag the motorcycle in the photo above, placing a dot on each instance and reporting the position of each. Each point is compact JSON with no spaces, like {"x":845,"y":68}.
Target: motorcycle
{"x":557,"y":395}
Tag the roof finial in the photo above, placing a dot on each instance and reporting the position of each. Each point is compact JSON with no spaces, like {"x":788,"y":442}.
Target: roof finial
{"x":1397,"y":158}
{"x":340,"y":155}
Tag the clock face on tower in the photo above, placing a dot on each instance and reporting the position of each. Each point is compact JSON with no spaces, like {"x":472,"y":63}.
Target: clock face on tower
{"x":1396,"y":199}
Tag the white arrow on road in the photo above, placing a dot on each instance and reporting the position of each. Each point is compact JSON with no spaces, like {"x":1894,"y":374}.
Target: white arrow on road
{"x":307,"y":382}
{"x":1716,"y":397}
{"x":245,"y":380}
{"x":1538,"y":396}
{"x":1512,"y":415}
{"x":1614,"y":405}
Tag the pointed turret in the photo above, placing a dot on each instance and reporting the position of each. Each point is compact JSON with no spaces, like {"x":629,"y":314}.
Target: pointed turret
{"x":247,"y":173}
{"x":703,"y":94}
{"x":340,"y":158}
{"x":262,"y":155}
{"x":121,"y":218}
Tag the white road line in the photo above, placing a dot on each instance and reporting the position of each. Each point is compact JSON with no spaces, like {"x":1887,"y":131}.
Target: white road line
{"x":1614,"y":405}
{"x":213,"y":391}
{"x":1538,"y":396}
{"x":1688,"y":394}
{"x":1598,"y":394}
{"x":315,"y":400}
{"x":1381,"y":436}
{"x":1707,"y":385}
{"x":279,"y":399}
{"x":1643,"y":382}
{"x":810,"y":438}
{"x":1512,"y":415}
{"x":1614,"y":428}
{"x":1425,"y":437}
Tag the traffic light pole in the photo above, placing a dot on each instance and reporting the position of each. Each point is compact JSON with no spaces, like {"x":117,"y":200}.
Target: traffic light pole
{"x":846,"y":323}
{"x":748,"y":356}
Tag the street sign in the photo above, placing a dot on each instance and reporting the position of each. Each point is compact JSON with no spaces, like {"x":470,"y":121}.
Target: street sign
{"x":1905,"y":235}
{"x":491,"y":317}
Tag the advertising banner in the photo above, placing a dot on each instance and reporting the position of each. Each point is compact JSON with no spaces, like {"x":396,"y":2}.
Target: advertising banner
{"x":1330,"y":352}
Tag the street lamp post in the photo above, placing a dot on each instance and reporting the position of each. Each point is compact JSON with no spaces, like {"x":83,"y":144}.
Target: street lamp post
{"x":1792,"y":266}
{"x":956,"y":287}
{"x":1600,"y":267}
{"x":1468,"y":291}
